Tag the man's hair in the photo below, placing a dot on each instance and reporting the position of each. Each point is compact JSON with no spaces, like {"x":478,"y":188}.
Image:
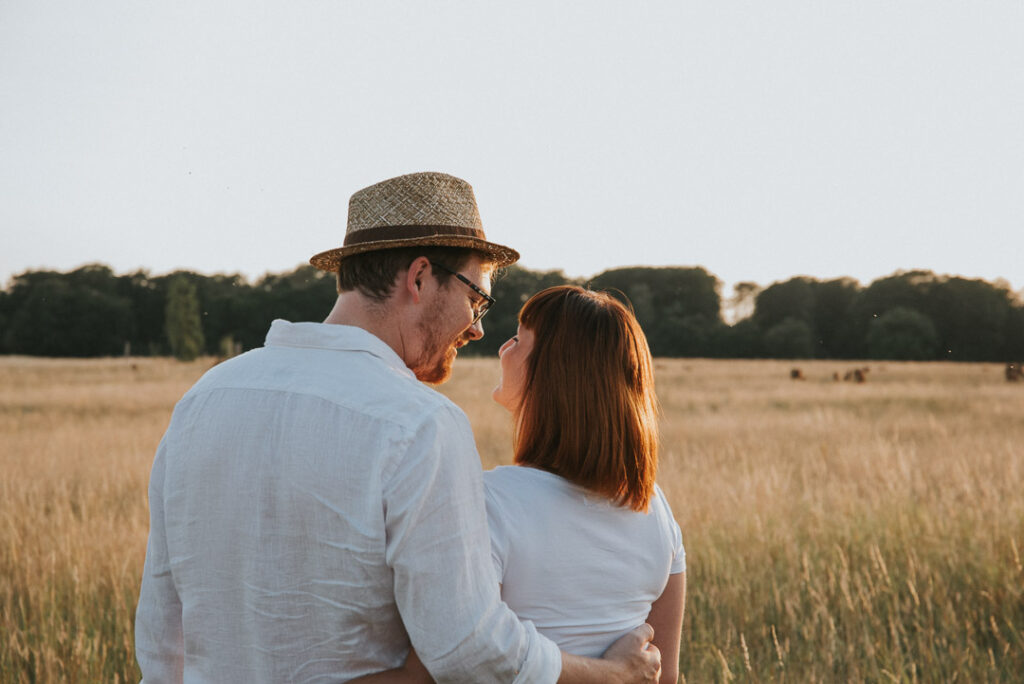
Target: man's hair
{"x":373,"y":273}
{"x":588,"y":411}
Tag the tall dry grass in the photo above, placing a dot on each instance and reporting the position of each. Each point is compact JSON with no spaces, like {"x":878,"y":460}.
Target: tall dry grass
{"x":834,"y":532}
{"x":78,"y":439}
{"x":849,"y":532}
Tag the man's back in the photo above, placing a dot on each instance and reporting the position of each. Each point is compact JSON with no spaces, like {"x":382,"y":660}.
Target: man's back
{"x":271,"y":520}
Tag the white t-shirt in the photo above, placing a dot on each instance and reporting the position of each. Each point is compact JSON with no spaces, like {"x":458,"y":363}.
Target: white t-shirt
{"x":584,"y":570}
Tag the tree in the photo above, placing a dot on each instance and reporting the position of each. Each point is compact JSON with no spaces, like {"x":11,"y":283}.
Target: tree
{"x":147,"y":301}
{"x":825,"y":308}
{"x":790,"y":339}
{"x":92,"y":312}
{"x":743,"y":300}
{"x":183,"y":324}
{"x":742,"y":340}
{"x":792,"y":299}
{"x":971,"y":317}
{"x":696,"y":336}
{"x":6,"y":310}
{"x":902,"y":334}
{"x":1013,"y":346}
{"x":56,"y":314}
{"x":833,"y":303}
{"x":677,"y":307}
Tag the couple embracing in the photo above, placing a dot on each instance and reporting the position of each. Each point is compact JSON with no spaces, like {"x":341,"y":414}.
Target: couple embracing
{"x":317,"y":514}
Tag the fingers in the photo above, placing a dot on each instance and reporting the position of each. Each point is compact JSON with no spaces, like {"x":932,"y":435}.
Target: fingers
{"x":638,"y":658}
{"x":644,"y":632}
{"x":653,"y":662}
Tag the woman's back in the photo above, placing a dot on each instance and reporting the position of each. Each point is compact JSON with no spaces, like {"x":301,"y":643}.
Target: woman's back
{"x":584,"y":570}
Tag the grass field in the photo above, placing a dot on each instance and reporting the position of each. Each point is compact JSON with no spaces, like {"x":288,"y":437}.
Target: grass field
{"x":834,"y":531}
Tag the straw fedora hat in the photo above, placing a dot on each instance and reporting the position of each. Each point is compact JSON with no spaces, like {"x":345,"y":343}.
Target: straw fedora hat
{"x":417,"y":210}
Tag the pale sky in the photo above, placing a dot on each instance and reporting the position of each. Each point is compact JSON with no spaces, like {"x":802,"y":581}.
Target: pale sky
{"x":760,"y":140}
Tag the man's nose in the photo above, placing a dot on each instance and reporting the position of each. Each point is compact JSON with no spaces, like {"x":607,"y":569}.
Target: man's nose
{"x":476,"y":331}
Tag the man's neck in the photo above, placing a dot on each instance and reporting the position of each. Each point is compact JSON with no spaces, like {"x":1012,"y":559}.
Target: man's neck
{"x":376,"y":318}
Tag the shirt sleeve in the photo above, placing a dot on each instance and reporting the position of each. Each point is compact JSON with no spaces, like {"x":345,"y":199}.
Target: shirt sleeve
{"x":438,"y":548}
{"x":159,"y":646}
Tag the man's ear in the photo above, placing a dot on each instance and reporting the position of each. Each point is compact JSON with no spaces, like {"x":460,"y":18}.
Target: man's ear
{"x":419,"y":271}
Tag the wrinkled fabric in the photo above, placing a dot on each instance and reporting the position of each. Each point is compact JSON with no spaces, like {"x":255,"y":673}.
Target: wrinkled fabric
{"x":307,"y":498}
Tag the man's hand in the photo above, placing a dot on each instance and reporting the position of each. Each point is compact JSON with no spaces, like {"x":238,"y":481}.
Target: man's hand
{"x":639,"y":658}
{"x":633,"y":659}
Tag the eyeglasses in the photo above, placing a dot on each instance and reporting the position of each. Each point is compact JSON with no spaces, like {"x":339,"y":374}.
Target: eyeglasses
{"x":479,"y":307}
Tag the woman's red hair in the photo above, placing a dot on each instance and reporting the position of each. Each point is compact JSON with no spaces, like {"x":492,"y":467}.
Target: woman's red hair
{"x":588,"y":411}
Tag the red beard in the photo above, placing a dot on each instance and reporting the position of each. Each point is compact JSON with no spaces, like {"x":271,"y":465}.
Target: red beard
{"x":434,"y":364}
{"x":438,"y":372}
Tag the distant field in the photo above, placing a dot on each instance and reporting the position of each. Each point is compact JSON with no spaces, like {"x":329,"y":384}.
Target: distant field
{"x":834,"y":531}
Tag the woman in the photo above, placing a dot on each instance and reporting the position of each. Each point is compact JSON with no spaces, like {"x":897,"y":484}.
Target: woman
{"x":583,"y":540}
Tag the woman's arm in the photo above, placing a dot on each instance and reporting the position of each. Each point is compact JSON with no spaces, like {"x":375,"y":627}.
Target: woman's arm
{"x":412,"y":672}
{"x":667,"y":619}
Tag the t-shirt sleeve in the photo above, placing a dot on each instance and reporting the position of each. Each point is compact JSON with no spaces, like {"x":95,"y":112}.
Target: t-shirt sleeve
{"x":679,"y":552}
{"x":496,"y":523}
{"x":675,"y":534}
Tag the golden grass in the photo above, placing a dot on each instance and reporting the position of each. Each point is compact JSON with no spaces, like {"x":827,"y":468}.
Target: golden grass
{"x":834,"y":532}
{"x":78,"y":439}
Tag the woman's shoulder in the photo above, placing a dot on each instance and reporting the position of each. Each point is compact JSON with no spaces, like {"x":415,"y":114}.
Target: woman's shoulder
{"x":501,"y":479}
{"x":527,"y":486}
{"x":523,"y":476}
{"x":500,"y":474}
{"x":503,"y":485}
{"x":515,"y":495}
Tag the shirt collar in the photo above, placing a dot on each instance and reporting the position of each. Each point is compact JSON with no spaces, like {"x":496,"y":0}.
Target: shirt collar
{"x":334,"y":337}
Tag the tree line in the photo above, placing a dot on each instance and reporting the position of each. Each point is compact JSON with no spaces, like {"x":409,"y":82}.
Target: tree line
{"x":913,"y":315}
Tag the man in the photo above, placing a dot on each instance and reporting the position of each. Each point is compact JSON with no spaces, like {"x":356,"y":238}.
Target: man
{"x":315,"y":510}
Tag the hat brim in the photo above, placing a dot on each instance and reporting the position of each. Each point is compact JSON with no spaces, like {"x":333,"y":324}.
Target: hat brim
{"x":499,"y":255}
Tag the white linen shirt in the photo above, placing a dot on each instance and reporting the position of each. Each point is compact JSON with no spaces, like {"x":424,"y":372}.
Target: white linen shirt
{"x":308,"y":498}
